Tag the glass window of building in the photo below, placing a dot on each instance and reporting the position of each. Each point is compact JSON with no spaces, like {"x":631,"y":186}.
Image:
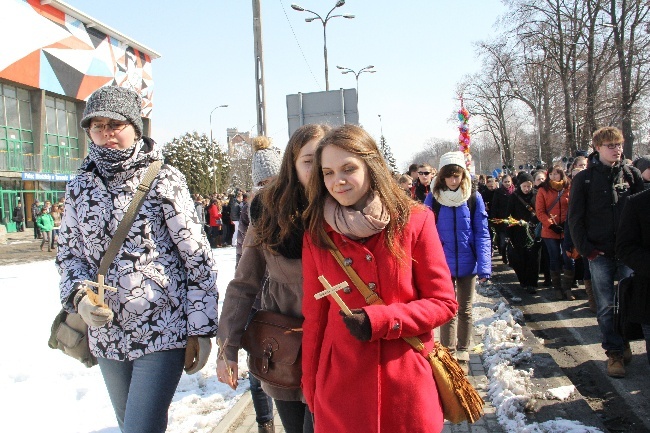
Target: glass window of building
{"x":16,"y":136}
{"x":61,"y":148}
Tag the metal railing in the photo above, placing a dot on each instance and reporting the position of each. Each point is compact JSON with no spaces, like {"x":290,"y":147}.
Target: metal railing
{"x":38,"y":163}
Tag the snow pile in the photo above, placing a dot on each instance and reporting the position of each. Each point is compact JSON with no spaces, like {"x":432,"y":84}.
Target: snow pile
{"x":510,"y":388}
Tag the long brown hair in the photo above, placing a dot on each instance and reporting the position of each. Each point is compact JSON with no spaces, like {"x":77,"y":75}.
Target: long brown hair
{"x":355,"y":140}
{"x":284,"y":199}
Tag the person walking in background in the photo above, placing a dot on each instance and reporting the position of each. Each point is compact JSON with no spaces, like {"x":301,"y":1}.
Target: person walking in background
{"x":200,"y":209}
{"x":227,"y":226}
{"x":45,"y":225}
{"x":552,"y":207}
{"x":642,"y":164}
{"x":242,"y":227}
{"x":391,"y":242}
{"x":164,"y":312}
{"x":405,"y":182}
{"x":462,"y":225}
{"x":235,"y":214}
{"x":499,"y":210}
{"x":523,"y":247}
{"x":56,"y":218}
{"x":271,"y":261}
{"x":214,"y":220}
{"x":597,"y":197}
{"x":36,"y":211}
{"x":423,"y":186}
{"x":18,"y":217}
{"x":633,"y":248}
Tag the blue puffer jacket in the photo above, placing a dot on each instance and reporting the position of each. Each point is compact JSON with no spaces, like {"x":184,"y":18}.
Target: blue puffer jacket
{"x":466,"y":242}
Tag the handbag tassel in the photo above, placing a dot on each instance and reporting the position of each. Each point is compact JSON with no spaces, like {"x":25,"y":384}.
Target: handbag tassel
{"x":469,"y":399}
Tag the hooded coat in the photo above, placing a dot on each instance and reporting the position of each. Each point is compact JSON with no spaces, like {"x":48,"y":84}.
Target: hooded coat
{"x":381,"y":385}
{"x":164,"y":271}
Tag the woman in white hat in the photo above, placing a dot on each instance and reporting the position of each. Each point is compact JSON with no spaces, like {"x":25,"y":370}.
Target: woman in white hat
{"x":462,"y":224}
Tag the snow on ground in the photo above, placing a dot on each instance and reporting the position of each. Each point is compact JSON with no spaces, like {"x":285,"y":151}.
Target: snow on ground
{"x":45,"y":390}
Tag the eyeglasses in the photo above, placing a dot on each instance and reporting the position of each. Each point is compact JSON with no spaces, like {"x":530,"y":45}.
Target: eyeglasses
{"x":424,"y":173}
{"x":113,"y":126}
{"x":612,"y":146}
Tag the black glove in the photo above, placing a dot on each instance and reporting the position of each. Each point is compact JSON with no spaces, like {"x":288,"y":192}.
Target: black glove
{"x":358,"y":324}
{"x":557,"y":228}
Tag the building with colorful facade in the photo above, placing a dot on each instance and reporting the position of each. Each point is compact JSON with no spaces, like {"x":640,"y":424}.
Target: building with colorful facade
{"x":52,"y":57}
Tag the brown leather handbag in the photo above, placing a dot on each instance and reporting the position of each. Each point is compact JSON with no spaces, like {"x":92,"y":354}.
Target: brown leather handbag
{"x":273,"y":342}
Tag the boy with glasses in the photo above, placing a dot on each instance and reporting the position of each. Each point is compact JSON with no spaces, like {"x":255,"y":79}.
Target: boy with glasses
{"x":598,"y":194}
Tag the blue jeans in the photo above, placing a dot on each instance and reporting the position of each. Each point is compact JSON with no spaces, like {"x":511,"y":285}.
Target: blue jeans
{"x":142,"y":390}
{"x":262,"y":403}
{"x":556,"y":255}
{"x":604,"y":271}
{"x":295,"y":416}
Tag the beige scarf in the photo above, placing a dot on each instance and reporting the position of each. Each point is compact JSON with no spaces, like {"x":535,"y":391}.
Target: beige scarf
{"x":456,"y":198}
{"x":354,"y":224}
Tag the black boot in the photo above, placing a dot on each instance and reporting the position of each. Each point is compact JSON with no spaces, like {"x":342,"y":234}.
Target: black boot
{"x":267,"y":427}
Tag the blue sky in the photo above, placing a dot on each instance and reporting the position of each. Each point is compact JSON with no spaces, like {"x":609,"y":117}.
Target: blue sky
{"x":420,"y":50}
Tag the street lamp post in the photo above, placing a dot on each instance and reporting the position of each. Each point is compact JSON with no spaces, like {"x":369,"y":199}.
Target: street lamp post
{"x":214,"y":165}
{"x":356,"y":74}
{"x":338,"y":4}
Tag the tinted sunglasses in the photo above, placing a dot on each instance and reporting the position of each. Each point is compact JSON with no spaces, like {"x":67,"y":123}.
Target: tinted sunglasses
{"x":424,"y":173}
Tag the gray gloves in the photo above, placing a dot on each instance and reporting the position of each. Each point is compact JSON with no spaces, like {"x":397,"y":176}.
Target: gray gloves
{"x":92,"y":314}
{"x":196,"y":353}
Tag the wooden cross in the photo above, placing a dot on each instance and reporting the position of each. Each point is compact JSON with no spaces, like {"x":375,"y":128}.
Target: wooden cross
{"x":331,"y":290}
{"x":223,"y":356}
{"x":98,"y":299}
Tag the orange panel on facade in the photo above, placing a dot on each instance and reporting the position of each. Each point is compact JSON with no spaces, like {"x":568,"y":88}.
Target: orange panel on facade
{"x":91,"y":83}
{"x":25,"y":70}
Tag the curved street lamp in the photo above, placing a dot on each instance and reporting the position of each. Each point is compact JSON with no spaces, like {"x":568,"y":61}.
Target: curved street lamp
{"x":356,"y":74}
{"x":324,"y":22}
{"x":214,"y":167}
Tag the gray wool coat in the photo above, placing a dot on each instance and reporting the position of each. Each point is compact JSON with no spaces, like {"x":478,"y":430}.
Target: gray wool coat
{"x":281,"y":292}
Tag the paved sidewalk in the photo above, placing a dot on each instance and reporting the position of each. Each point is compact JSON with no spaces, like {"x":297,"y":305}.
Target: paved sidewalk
{"x":241,"y":418}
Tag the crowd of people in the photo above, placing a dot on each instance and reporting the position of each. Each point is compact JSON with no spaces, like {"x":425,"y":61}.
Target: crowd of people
{"x":421,"y":242}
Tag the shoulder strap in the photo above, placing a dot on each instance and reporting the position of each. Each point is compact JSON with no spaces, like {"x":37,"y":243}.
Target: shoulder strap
{"x":371,"y":297}
{"x":125,"y":225}
{"x":559,"y":195}
{"x":528,"y":207}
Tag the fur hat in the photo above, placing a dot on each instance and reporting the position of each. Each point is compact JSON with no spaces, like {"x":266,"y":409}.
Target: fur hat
{"x":266,"y":161}
{"x":456,"y":158}
{"x":524,"y":177}
{"x":117,"y":103}
{"x":642,"y":163}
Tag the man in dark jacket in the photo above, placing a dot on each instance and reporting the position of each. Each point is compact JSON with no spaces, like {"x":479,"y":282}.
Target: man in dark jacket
{"x":633,"y":248}
{"x":235,"y":214}
{"x":597,"y":197}
{"x":19,"y":217}
{"x":36,"y":212}
{"x":423,"y":186}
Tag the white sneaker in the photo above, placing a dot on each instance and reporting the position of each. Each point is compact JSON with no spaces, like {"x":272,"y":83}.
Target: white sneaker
{"x":462,"y":356}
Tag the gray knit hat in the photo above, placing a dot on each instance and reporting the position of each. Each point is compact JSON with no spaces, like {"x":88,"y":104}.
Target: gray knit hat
{"x":642,"y":163}
{"x":266,"y":161}
{"x":113,"y":102}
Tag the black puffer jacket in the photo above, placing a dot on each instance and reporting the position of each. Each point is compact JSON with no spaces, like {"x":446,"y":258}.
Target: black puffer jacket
{"x":598,"y":194}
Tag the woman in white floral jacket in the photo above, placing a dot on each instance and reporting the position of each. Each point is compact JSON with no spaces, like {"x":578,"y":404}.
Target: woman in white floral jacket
{"x":164,"y":312}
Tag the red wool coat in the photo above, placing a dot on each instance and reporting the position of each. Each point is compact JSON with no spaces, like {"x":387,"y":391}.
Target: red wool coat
{"x":382,"y":385}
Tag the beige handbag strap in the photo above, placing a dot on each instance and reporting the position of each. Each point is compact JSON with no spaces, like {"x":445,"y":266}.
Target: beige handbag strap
{"x":371,"y":297}
{"x":125,"y":225}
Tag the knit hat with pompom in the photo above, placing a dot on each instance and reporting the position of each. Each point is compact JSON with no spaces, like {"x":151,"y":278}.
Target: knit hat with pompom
{"x":266,"y":161}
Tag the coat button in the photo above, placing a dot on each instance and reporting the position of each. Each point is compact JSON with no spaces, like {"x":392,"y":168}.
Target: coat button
{"x":369,"y":257}
{"x":347,"y":290}
{"x":372,"y":286}
{"x":396,"y":327}
{"x":347,"y":262}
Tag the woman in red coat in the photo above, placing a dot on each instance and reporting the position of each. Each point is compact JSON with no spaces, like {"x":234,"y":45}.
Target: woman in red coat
{"x":214,"y":220}
{"x":552,"y":207}
{"x":359,"y":375}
